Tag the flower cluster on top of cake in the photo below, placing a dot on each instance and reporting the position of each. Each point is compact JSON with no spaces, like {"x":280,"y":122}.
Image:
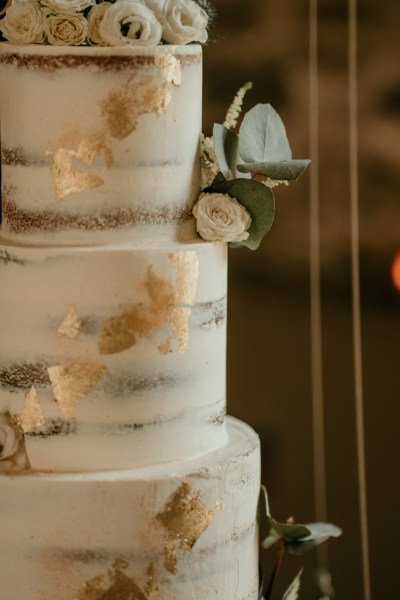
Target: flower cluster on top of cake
{"x":106,"y":23}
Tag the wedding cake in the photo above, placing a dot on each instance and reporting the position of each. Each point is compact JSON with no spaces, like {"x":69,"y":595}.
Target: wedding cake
{"x":121,"y":476}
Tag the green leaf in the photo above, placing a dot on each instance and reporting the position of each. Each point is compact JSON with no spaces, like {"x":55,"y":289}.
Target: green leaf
{"x":286,"y":532}
{"x":226,"y":146}
{"x":281,"y":170}
{"x":262,"y":136}
{"x":263,"y":502}
{"x":322,"y":531}
{"x":258,"y":201}
{"x":299,"y":539}
{"x":300,"y":548}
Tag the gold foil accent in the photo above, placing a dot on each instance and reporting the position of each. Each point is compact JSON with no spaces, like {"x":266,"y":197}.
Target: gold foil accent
{"x":186,"y":266}
{"x":32,"y":414}
{"x":71,"y":383}
{"x":71,"y":324}
{"x":151,"y":584}
{"x":169,"y":306}
{"x":170,"y":68}
{"x":170,"y":559}
{"x":115,"y":586}
{"x":68,"y":180}
{"x":184,"y":519}
{"x":122,"y":108}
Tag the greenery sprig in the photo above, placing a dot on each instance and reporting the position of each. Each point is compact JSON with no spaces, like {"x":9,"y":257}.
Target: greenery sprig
{"x":291,"y":538}
{"x":248,"y":164}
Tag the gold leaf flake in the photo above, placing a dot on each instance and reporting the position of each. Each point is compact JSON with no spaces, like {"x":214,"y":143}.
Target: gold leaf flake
{"x":32,"y":414}
{"x":170,"y":559}
{"x":120,"y":333}
{"x":116,"y":586}
{"x":122,"y":108}
{"x":186,"y":265}
{"x":71,"y":324}
{"x":170,"y":68}
{"x":117,"y":335}
{"x":184,"y":519}
{"x":68,"y":180}
{"x":151,"y":585}
{"x":71,"y":383}
{"x":170,"y":306}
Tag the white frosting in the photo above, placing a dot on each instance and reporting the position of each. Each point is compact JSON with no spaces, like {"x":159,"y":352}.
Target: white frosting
{"x":61,"y":531}
{"x":119,"y":474}
{"x":94,"y":141}
{"x":157,"y":397}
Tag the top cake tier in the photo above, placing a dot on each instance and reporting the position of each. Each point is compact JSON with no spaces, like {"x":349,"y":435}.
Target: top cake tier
{"x":99,"y":143}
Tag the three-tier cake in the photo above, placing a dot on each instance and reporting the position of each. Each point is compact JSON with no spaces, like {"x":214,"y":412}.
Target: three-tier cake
{"x":121,"y":477}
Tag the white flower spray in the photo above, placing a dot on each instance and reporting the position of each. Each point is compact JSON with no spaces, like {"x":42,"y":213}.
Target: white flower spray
{"x":209,"y":163}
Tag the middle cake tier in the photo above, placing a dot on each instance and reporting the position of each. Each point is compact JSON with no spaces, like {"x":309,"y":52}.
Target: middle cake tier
{"x":113,"y":356}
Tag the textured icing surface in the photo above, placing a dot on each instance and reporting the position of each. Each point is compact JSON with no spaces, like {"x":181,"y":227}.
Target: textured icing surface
{"x":114,"y":356}
{"x":186,"y":530}
{"x":114,"y":142}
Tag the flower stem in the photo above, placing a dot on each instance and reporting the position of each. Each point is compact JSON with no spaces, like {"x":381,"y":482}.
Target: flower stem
{"x":278,"y":561}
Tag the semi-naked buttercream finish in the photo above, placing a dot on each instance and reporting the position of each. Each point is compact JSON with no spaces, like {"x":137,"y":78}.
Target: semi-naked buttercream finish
{"x":107,"y":142}
{"x":178,"y":531}
{"x":118,"y":350}
{"x":120,"y":476}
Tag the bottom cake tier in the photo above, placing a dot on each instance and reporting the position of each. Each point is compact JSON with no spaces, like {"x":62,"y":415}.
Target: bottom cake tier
{"x":179,"y":531}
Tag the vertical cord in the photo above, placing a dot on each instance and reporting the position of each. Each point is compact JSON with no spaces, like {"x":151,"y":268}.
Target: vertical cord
{"x":357,"y":335}
{"x":315,"y":289}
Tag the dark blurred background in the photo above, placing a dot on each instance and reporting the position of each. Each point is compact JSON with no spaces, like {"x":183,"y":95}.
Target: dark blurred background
{"x":269,"y":345}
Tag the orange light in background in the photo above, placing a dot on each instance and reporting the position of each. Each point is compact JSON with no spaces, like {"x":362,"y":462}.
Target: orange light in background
{"x":396,"y":271}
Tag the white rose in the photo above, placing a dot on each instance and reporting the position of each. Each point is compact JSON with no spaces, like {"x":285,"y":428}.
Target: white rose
{"x":67,"y":6}
{"x":95,"y":17}
{"x":130,"y":22}
{"x":66,"y":29}
{"x":221,"y":218}
{"x":183,"y":21}
{"x":23,"y":23}
{"x":9,"y":440}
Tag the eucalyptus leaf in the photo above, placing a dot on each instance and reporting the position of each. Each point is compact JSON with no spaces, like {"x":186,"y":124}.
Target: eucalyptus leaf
{"x":280,"y":170}
{"x":262,"y":136}
{"x":258,"y":201}
{"x":226,"y":146}
{"x":322,"y":530}
{"x":300,"y":548}
{"x":287,"y":532}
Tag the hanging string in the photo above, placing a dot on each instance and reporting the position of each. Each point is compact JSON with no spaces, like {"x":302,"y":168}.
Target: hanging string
{"x":315,"y":288}
{"x":355,"y":256}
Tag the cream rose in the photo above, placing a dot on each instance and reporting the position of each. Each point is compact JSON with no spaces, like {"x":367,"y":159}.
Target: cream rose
{"x":183,"y":21}
{"x":9,"y":440}
{"x":23,"y":23}
{"x":95,"y":17}
{"x":130,"y":22}
{"x":66,"y":29}
{"x":67,"y":6}
{"x":221,"y":218}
